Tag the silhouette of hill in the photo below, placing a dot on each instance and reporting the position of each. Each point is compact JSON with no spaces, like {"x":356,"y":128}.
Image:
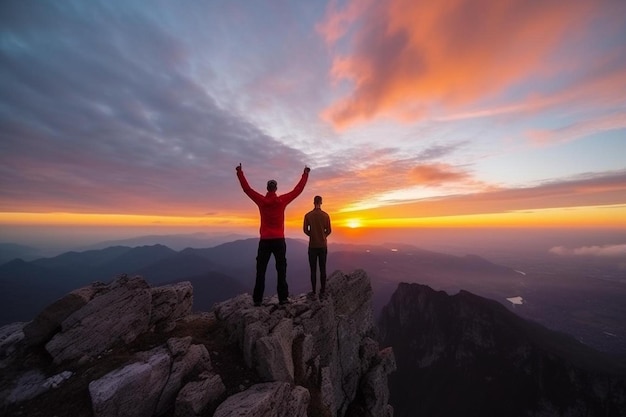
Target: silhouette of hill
{"x":467,"y":355}
{"x":26,"y":287}
{"x":177,"y":241}
{"x":10,"y":251}
{"x":217,"y":273}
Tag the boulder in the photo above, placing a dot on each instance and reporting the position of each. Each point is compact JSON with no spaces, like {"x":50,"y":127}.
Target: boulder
{"x":270,"y":399}
{"x":195,"y":360}
{"x":196,"y":396}
{"x":10,"y":337}
{"x":119,"y":313}
{"x":131,"y":391}
{"x":274,"y":353}
{"x":169,"y":303}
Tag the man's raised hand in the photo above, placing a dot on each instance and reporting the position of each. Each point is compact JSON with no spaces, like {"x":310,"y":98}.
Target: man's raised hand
{"x":306,"y":169}
{"x":238,"y":167}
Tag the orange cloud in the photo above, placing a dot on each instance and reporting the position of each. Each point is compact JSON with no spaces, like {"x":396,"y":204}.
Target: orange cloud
{"x":593,"y":191}
{"x":409,"y":57}
{"x":437,"y":174}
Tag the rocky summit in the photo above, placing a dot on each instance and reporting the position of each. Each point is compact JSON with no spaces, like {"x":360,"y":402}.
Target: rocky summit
{"x":126,"y":349}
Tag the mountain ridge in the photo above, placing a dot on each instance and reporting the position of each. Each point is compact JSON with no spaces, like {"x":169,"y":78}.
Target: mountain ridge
{"x":464,"y":354}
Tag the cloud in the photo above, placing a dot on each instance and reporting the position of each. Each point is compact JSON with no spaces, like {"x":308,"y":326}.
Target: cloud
{"x":437,"y":174}
{"x":408,"y":60}
{"x":578,"y":130}
{"x":604,"y":251}
{"x":590,"y":190}
{"x":102,"y":112}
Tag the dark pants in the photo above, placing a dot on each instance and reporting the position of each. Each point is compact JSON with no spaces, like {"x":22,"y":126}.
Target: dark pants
{"x":278,"y":248}
{"x":318,"y":255}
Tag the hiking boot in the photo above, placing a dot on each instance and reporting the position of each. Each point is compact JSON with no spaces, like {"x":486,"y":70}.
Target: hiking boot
{"x":285,"y":301}
{"x":257,"y":304}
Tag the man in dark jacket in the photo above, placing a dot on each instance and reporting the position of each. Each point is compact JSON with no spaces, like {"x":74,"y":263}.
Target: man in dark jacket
{"x":317,"y":227}
{"x":272,"y":231}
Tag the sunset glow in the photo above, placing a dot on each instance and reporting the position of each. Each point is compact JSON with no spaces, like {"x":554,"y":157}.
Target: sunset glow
{"x":408,"y":116}
{"x":353,"y":223}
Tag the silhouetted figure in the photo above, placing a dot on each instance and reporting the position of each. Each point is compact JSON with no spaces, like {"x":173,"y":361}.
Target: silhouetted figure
{"x":272,"y":231}
{"x":317,"y":227}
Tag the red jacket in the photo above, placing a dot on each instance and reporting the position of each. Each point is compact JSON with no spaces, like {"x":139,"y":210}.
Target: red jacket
{"x":272,"y":206}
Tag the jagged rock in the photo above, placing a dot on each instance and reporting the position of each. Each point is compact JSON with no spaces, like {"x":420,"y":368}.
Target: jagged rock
{"x":31,"y":384}
{"x":48,"y":322}
{"x":316,"y":355}
{"x":100,"y":315}
{"x":374,"y":387}
{"x":133,"y":390}
{"x":196,"y":359}
{"x":121,"y":312}
{"x":274,"y":359}
{"x":10,"y":336}
{"x":169,"y":303}
{"x":196,"y":396}
{"x":324,"y":345}
{"x":156,"y":377}
{"x":270,"y":399}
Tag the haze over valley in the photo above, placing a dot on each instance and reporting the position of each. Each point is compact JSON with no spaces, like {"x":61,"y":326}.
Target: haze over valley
{"x":579,"y":294}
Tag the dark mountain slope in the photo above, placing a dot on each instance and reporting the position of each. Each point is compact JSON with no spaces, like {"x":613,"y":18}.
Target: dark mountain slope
{"x":24,"y":289}
{"x":465,"y":355}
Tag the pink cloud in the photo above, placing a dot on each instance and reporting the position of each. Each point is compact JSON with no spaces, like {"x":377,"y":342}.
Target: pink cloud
{"x":437,"y":174}
{"x":578,"y":130}
{"x":407,"y":57}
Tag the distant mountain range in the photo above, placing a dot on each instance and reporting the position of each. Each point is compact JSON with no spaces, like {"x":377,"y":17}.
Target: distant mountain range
{"x":590,"y":309}
{"x":10,"y":251}
{"x":464,"y":355}
{"x":224,"y":271}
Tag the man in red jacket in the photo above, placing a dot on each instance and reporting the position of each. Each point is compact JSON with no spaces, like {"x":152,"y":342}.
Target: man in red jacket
{"x":272,"y":230}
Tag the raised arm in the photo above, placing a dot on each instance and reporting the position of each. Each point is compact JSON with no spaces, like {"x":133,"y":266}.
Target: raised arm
{"x":291,"y":195}
{"x":254,"y":196}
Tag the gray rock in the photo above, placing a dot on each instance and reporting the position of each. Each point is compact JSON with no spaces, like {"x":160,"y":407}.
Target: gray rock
{"x":196,"y":396}
{"x":271,"y":399}
{"x":170,"y":303}
{"x":121,"y":313}
{"x":131,"y":391}
{"x":274,"y":353}
{"x":179,"y":346}
{"x":10,"y":336}
{"x":195,"y":360}
{"x":28,"y":386}
{"x":322,"y":344}
{"x":374,"y":385}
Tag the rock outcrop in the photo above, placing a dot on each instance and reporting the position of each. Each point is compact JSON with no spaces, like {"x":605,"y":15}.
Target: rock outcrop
{"x":123,"y":345}
{"x":324,"y":345}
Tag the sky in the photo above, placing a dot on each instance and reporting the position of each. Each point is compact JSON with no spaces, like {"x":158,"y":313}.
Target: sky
{"x":132,"y":115}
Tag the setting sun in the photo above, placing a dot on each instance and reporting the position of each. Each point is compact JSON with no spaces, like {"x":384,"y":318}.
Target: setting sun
{"x":354,"y":223}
